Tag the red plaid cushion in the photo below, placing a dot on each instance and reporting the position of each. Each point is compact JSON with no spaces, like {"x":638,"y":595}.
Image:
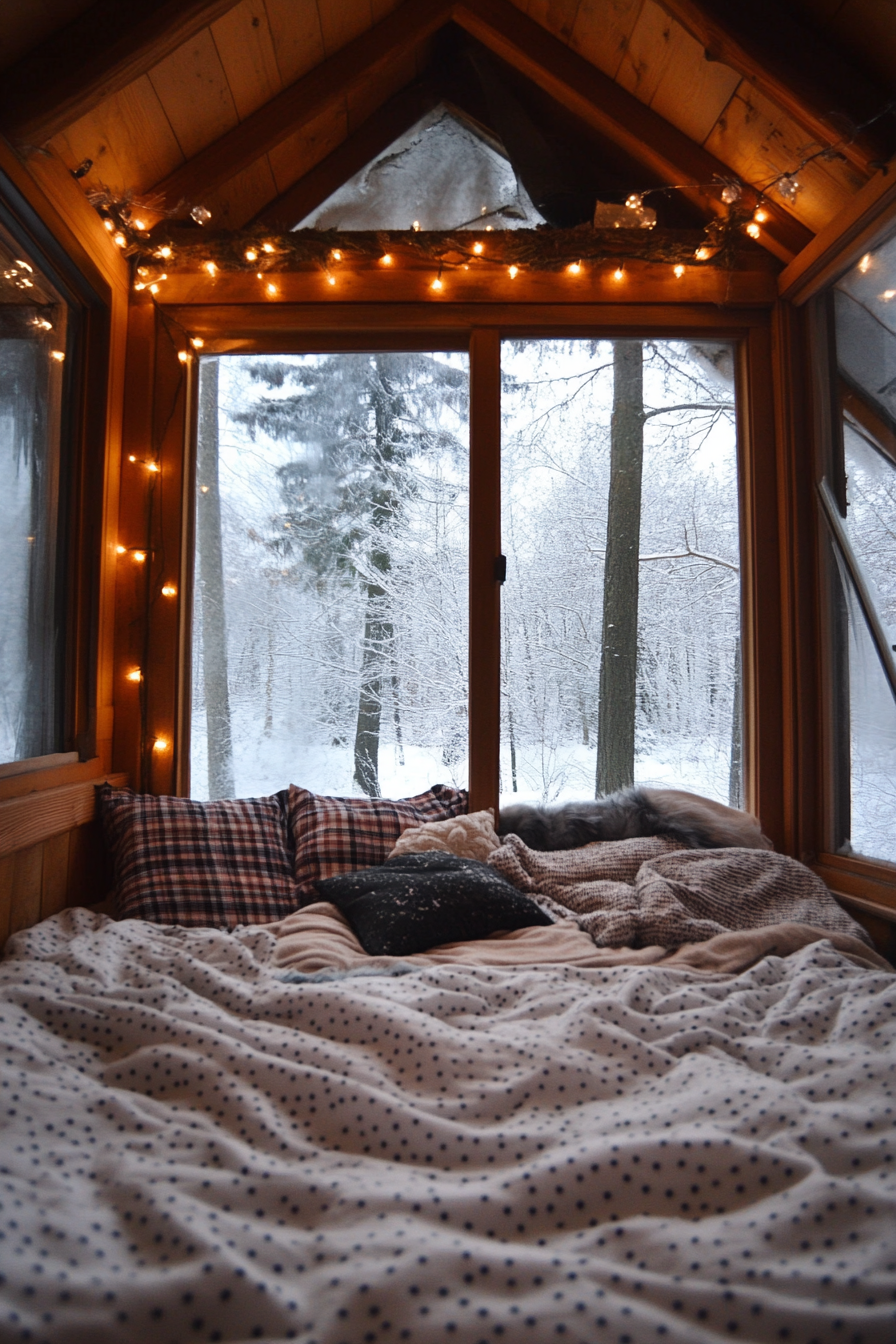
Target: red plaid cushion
{"x":339,"y":835}
{"x":217,"y":864}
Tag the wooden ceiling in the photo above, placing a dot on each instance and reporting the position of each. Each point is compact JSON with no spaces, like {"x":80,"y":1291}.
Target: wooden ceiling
{"x":260,"y":108}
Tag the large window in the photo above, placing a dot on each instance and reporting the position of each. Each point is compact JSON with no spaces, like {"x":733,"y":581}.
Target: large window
{"x":858,"y":499}
{"x":34,"y":339}
{"x":330,"y":632}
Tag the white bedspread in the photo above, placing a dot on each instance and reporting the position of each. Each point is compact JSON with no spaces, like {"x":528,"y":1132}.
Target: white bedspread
{"x":193,"y":1150}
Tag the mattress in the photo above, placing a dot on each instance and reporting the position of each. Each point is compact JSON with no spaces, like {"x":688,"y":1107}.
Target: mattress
{"x":197,"y":1149}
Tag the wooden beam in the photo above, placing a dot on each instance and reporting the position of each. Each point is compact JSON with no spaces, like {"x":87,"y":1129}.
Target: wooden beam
{"x":792,"y":64}
{"x":377,"y":133}
{"x":666,"y":153}
{"x":862,"y":223}
{"x":106,"y":47}
{"x":377,"y":51}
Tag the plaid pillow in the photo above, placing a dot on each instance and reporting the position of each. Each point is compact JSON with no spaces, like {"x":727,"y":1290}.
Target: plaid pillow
{"x":216,"y":864}
{"x":339,"y":835}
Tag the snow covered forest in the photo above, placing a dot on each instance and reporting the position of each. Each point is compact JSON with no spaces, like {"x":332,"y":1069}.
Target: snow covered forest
{"x":341,"y":487}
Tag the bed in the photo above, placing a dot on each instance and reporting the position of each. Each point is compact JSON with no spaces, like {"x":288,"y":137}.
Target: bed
{"x":216,"y":1134}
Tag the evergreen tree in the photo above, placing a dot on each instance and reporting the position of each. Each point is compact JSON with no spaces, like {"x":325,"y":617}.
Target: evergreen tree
{"x":358,"y":424}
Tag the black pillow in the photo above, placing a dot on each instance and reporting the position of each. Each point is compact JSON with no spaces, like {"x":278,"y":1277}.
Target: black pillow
{"x":417,"y":901}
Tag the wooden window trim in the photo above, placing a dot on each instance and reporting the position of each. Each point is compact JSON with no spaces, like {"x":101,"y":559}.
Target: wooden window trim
{"x":158,"y":410}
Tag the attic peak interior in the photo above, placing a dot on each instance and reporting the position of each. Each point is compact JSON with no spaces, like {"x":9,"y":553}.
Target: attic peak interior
{"x":409,"y":410}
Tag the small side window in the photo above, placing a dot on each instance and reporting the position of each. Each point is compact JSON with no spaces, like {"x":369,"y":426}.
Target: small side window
{"x":35,"y":334}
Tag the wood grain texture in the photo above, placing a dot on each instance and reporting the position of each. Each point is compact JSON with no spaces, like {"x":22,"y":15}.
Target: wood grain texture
{"x":245,"y":46}
{"x":77,"y":772}
{"x":350,"y":156}
{"x":342,"y":22}
{"x":296,"y":35}
{"x":661,"y":148}
{"x":27,"y":874}
{"x":298,"y":154}
{"x":29,"y":821}
{"x":666,"y":68}
{"x":54,"y":877}
{"x":235,"y":202}
{"x":194,"y":93}
{"x":110,"y":45}
{"x":328,"y":83}
{"x":128,"y":138}
{"x":601,"y":30}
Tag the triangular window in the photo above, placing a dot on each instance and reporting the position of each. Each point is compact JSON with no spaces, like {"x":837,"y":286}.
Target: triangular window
{"x":441,"y":174}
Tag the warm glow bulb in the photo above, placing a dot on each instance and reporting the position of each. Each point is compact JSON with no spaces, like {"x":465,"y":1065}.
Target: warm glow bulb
{"x":139,"y":224}
{"x":618,"y":273}
{"x":153,"y":289}
{"x":753,"y":230}
{"x":386,"y":259}
{"x":865,"y":262}
{"x":331,"y":279}
{"x":121,"y":550}
{"x":139,"y":556}
{"x":437,"y":283}
{"x":416,"y":226}
{"x":139,"y":285}
{"x":513,"y":271}
{"x":197,"y":342}
{"x":760,"y":215}
{"x":251,"y":254}
{"x":153,"y":466}
{"x":678,"y":271}
{"x":702,"y":254}
{"x":479,"y":248}
{"x":336,"y":254}
{"x":135,"y":674}
{"x":183,"y":356}
{"x":267,"y":247}
{"x":119,"y":240}
{"x":889,"y":294}
{"x":131,"y":457}
{"x":210,"y":267}
{"x":271,"y":289}
{"x":575,"y":268}
{"x":58,"y":355}
{"x":203,"y":489}
{"x":160,"y":744}
{"x":108,"y":225}
{"x":169,"y":590}
{"x":165,"y":252}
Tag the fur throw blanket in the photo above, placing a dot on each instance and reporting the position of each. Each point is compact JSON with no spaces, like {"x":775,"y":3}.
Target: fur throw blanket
{"x":649,"y":891}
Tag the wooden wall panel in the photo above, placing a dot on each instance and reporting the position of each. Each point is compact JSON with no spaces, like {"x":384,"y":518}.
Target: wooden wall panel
{"x":128,"y":137}
{"x":295,"y":156}
{"x":667,"y":69}
{"x":243,"y":40}
{"x":295,"y":32}
{"x":26,"y":887}
{"x":367,"y":99}
{"x":54,"y":875}
{"x":558,"y":16}
{"x":194,"y":93}
{"x":601,"y":31}
{"x":341,"y":22}
{"x":759,"y":141}
{"x":236,"y":202}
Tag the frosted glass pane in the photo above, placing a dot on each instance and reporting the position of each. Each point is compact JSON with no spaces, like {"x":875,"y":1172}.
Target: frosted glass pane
{"x":441,"y":174}
{"x":557,"y":407}
{"x":32,"y":333}
{"x":330,"y":616}
{"x":871,"y":520}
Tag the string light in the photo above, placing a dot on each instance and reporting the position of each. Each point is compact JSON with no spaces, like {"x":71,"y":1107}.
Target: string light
{"x":437,"y":283}
{"x":250,"y":254}
{"x":138,"y":556}
{"x":58,"y":355}
{"x":108,"y":225}
{"x":203,"y":489}
{"x":634,"y":201}
{"x":271,"y":289}
{"x":787,"y":187}
{"x":121,"y":550}
{"x":44,"y":324}
{"x":753,"y":229}
{"x":169,"y":590}
{"x":678,"y":271}
{"x":386,"y":259}
{"x":513,"y":271}
{"x":139,"y":284}
{"x":200,"y":214}
{"x":479,"y":248}
{"x":268,"y":247}
{"x":165,"y":252}
{"x":575,"y":268}
{"x":619,"y":272}
{"x":416,"y":226}
{"x":197,"y":342}
{"x":160,"y":744}
{"x":331,"y":279}
{"x":183,"y":356}
{"x":140,"y":225}
{"x":119,"y":240}
{"x":336,"y":254}
{"x":702,"y":254}
{"x":134,"y":675}
{"x":760,"y":215}
{"x":210,"y":267}
{"x":865,"y":263}
{"x":153,"y":289}
{"x":888,"y":294}
{"x":731,"y":193}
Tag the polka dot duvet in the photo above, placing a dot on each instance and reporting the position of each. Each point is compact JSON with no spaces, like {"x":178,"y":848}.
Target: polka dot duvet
{"x":193,"y":1149}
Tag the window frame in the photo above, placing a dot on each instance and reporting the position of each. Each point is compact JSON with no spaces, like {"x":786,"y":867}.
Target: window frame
{"x":167,"y":400}
{"x":79,"y":511}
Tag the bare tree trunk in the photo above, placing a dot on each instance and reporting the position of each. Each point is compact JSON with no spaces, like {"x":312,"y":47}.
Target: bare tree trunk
{"x":377,"y":635}
{"x":211,"y":588}
{"x":619,"y":641}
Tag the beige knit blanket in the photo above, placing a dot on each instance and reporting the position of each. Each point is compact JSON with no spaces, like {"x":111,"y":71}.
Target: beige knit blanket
{"x":647,"y":892}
